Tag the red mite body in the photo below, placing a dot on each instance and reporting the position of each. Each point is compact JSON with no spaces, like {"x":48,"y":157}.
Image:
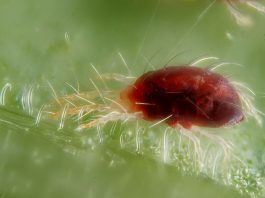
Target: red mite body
{"x":184,"y":95}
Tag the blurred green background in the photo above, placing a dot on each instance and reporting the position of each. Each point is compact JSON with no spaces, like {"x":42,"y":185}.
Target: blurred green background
{"x":56,"y":41}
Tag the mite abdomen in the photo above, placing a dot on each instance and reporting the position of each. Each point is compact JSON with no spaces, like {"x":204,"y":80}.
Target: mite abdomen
{"x":184,"y":95}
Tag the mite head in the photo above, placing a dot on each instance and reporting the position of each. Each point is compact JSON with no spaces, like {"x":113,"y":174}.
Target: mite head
{"x":126,"y":96}
{"x":132,"y":94}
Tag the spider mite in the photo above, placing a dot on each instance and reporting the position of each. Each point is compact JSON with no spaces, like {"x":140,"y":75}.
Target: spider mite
{"x":176,"y":95}
{"x":184,"y":95}
{"x":186,"y":98}
{"x":240,"y":18}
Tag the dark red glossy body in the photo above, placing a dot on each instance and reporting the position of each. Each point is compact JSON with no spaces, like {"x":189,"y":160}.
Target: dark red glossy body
{"x":184,"y":95}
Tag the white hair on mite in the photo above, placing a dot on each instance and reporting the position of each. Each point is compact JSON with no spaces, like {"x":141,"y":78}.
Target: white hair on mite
{"x":247,"y":97}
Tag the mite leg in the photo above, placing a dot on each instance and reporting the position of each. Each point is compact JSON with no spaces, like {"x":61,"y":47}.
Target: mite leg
{"x":198,"y":154}
{"x":87,"y":97}
{"x":112,"y":116}
{"x":226,"y":146}
{"x":118,"y":77}
{"x":75,"y":111}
